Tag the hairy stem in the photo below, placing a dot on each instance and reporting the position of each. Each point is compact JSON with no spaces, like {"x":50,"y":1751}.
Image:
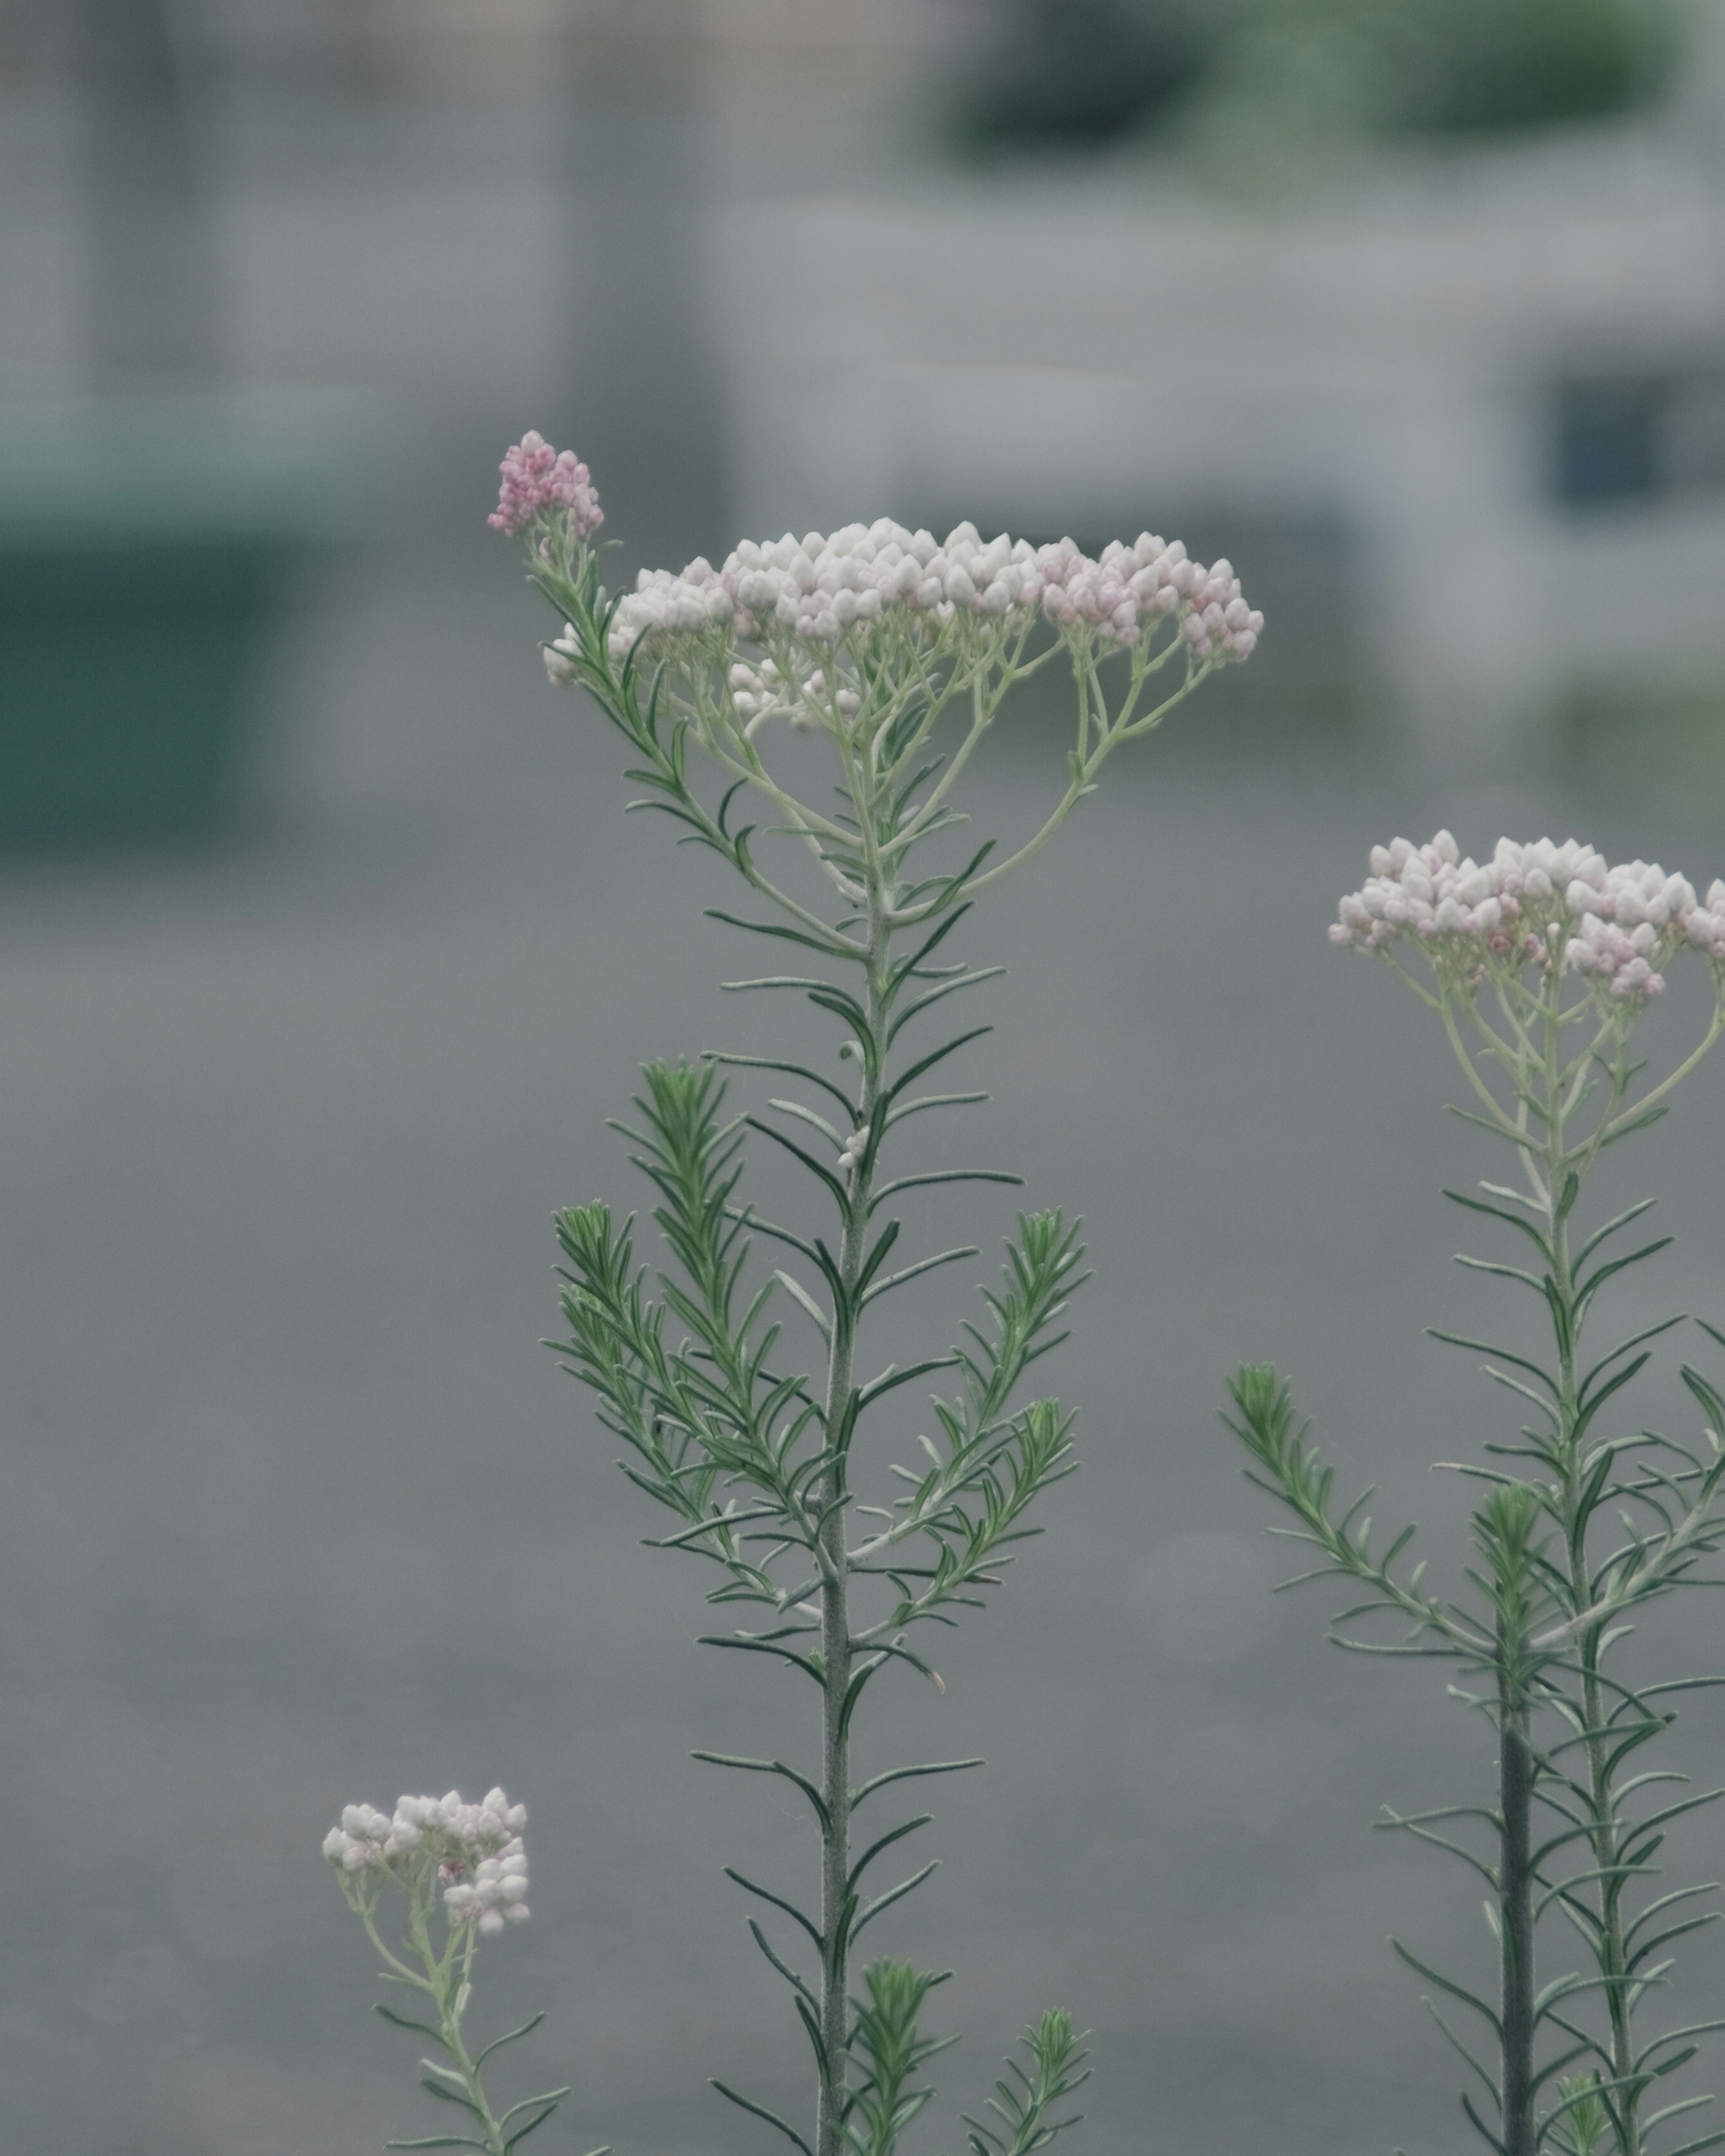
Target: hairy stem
{"x":1514,"y":1895}
{"x":1604,"y":1835}
{"x":455,"y":2045}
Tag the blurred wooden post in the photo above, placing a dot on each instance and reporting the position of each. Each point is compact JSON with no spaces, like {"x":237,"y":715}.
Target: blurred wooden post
{"x":646,"y":408}
{"x":150,"y":272}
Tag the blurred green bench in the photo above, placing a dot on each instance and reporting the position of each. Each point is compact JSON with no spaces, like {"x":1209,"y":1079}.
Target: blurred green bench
{"x":146,"y":545}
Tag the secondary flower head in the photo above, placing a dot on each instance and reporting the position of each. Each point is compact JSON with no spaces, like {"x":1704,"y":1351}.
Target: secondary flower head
{"x":1535,"y":905}
{"x":473,"y":1853}
{"x":540,"y":481}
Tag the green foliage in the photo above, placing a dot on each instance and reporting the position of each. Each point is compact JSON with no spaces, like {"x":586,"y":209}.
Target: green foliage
{"x":1080,"y":72}
{"x":1545,"y":1643}
{"x":707,"y":1419}
{"x":1582,"y":2126}
{"x":890,"y":2051}
{"x":440,"y":1970}
{"x":1023,"y":2104}
{"x":1477,"y":67}
{"x":1085,"y":73}
{"x":708,"y":1414}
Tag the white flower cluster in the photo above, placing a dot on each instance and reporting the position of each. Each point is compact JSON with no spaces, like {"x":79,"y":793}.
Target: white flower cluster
{"x":476,"y":1850}
{"x":496,"y":1893}
{"x":763,"y":693}
{"x":1535,"y":903}
{"x":816,"y":588}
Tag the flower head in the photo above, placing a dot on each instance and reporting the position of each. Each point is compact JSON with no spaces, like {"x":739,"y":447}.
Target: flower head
{"x":473,"y":1852}
{"x":540,"y":481}
{"x":1538,"y":905}
{"x":865,"y":582}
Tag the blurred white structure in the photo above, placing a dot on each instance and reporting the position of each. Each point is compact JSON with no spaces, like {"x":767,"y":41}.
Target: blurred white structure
{"x":479,"y":42}
{"x":1505,"y":374}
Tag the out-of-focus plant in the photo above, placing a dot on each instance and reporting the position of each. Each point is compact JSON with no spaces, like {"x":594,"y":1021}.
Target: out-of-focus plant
{"x":892,"y":652}
{"x":1492,"y":67}
{"x":1076,"y":73}
{"x":1058,"y":73}
{"x":1537,"y":964}
{"x":461,"y":1869}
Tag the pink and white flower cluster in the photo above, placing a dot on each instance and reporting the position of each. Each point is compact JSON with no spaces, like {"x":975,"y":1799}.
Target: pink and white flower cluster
{"x":1127,"y":585}
{"x":476,"y":1850}
{"x":816,"y":588}
{"x":540,"y":481}
{"x":1535,"y":904}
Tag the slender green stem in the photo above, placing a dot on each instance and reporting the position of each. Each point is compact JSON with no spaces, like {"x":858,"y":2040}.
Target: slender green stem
{"x":1515,"y":1888}
{"x":1604,"y":1837}
{"x":1081,"y":784}
{"x":982,"y":718}
{"x":444,"y":1979}
{"x":448,"y":2008}
{"x":398,"y":1967}
{"x":1652,"y":1100}
{"x":836,"y":1645}
{"x":1446,"y":1011}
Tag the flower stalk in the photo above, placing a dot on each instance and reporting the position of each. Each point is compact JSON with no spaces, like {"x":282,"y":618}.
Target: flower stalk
{"x":463,"y":1864}
{"x":897,"y":650}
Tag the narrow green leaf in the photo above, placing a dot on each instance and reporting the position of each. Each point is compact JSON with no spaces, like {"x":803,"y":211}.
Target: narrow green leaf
{"x":773,"y":1063}
{"x":514,"y":2035}
{"x":915,"y":1272}
{"x":908,"y":1774}
{"x":833,"y":946}
{"x":552,"y":2097}
{"x":884,"y":1901}
{"x":760,"y":2111}
{"x":451,"y":2095}
{"x":771,"y":1767}
{"x":806,"y":1302}
{"x":521,"y":2133}
{"x":927,"y":1063}
{"x":401,"y":2021}
{"x":931,"y":1177}
{"x":784,"y":1968}
{"x":1455,"y":1990}
{"x":779,"y":1901}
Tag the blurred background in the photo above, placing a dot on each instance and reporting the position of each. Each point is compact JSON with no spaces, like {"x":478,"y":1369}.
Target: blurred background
{"x":325,"y":953}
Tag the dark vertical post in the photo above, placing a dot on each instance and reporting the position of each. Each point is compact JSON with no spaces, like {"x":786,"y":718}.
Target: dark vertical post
{"x":644,"y":400}
{"x":150,"y":271}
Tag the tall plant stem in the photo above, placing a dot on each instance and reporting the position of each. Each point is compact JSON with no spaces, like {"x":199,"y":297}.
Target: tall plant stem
{"x":455,"y":2045}
{"x":836,"y":1650}
{"x":1604,"y":1835}
{"x":1515,"y":1892}
{"x":445,"y":1984}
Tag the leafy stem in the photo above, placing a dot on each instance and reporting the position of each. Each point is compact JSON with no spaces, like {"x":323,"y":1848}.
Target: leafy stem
{"x":1579,"y":1527}
{"x":443,"y":1975}
{"x":756,"y":1456}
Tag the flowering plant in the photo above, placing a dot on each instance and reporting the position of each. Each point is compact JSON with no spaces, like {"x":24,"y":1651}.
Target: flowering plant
{"x":1538,"y":964}
{"x":866,"y":640}
{"x":470,"y":1858}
